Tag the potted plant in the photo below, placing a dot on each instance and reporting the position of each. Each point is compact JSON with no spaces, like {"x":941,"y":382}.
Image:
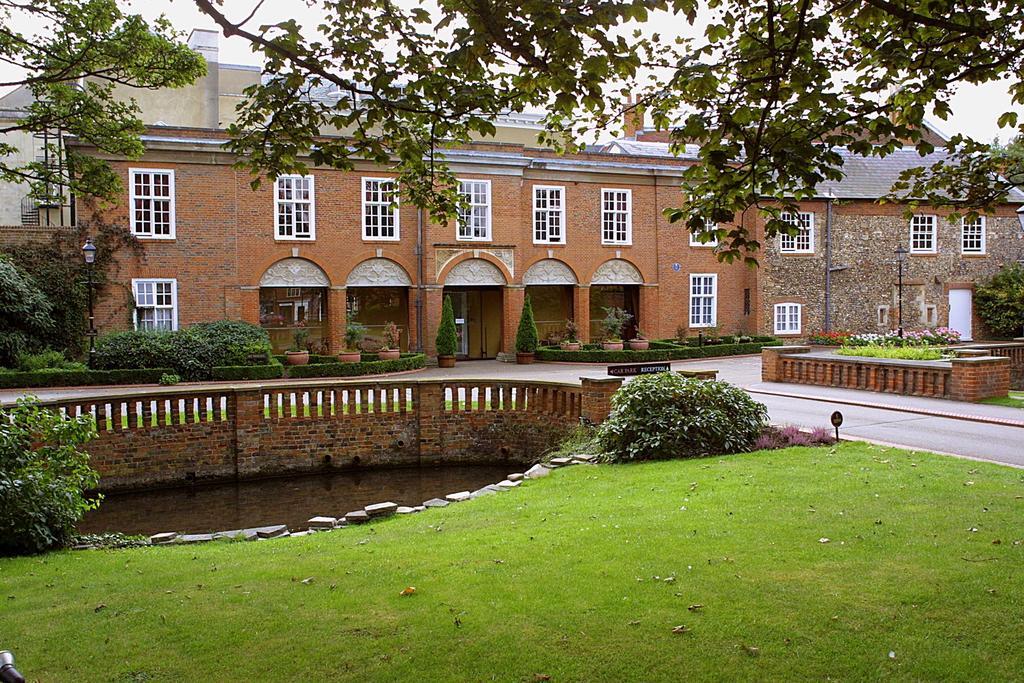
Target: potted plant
{"x":527,"y":337}
{"x":447,"y":340}
{"x":614,"y":320}
{"x":299,"y":353}
{"x":639,"y":342}
{"x":354,"y":333}
{"x":390,"y":350}
{"x":571,"y":342}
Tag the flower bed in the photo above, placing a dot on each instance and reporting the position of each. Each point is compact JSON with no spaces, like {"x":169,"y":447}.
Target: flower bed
{"x":660,"y":351}
{"x":897,"y":352}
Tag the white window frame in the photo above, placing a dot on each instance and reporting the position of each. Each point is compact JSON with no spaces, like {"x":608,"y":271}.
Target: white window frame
{"x":963,"y":237}
{"x":312,"y":209}
{"x":787,"y":309}
{"x":928,"y":219}
{"x":607,"y":214}
{"x":790,"y":244}
{"x":154,"y":281}
{"x":711,"y":244}
{"x":547,"y":213}
{"x":883,"y":316}
{"x":461,"y":218}
{"x":132,"y":221}
{"x":930,"y":315}
{"x":393,"y":205}
{"x":713,"y":296}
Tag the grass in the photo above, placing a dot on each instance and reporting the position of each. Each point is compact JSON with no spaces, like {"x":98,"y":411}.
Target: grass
{"x":895,"y":352}
{"x":581,"y":576}
{"x":1014,"y":400}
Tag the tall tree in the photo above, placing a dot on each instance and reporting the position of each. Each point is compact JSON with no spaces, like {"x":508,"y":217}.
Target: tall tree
{"x":71,"y":67}
{"x":769,"y":90}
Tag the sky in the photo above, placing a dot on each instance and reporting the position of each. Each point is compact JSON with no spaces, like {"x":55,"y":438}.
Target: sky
{"x":975,"y":108}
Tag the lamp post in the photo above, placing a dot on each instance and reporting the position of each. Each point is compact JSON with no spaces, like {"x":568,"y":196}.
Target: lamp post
{"x":901,"y":256}
{"x":89,"y":254}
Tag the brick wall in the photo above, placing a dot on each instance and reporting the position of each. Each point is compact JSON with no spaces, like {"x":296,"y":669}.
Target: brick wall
{"x":168,"y":436}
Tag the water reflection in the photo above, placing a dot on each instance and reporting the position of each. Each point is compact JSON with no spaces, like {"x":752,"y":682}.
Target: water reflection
{"x":291,"y":501}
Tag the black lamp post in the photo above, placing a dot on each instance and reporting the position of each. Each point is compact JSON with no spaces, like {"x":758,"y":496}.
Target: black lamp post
{"x":89,"y":254}
{"x":901,"y":257}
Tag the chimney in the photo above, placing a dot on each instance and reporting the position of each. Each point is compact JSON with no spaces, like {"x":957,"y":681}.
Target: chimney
{"x":633,"y":118}
{"x":204,"y":41}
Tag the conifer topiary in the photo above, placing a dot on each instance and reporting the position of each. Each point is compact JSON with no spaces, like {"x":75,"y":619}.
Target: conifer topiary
{"x":527,"y":338}
{"x":447,"y":339}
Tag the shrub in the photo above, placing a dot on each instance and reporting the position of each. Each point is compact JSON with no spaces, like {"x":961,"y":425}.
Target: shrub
{"x":659,"y":351}
{"x":572,"y":332}
{"x":70,"y":378}
{"x":668,"y":416}
{"x":354,"y":333}
{"x":244,"y":372}
{"x":408,"y":361}
{"x":833,"y":338}
{"x":893,"y":352}
{"x":169,"y":379}
{"x":191,"y":352}
{"x":447,"y":341}
{"x":1000,"y":301}
{"x":47,"y":360}
{"x":25,"y":319}
{"x":527,"y":336}
{"x":773,"y":438}
{"x":615,"y":319}
{"x":43,"y":476}
{"x":391,"y":337}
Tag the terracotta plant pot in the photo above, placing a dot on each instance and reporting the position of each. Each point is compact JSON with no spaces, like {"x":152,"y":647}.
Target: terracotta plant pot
{"x":349,"y":357}
{"x":524,"y":358}
{"x":389,"y":354}
{"x":296,"y":357}
{"x":570,"y":346}
{"x":611,"y":346}
{"x":446,"y":361}
{"x":639,"y":344}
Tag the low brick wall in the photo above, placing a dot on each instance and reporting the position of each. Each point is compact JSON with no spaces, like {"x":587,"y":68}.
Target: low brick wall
{"x":1012,"y":350}
{"x":168,"y":436}
{"x":970,"y":378}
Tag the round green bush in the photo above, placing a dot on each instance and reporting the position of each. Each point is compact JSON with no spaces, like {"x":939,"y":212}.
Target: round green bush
{"x":662,"y":416}
{"x":1000,"y":301}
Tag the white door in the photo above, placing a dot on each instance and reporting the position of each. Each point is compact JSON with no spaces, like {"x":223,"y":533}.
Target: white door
{"x":961,"y":312}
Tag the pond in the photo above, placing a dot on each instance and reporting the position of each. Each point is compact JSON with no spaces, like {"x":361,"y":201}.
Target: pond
{"x":204,"y":508}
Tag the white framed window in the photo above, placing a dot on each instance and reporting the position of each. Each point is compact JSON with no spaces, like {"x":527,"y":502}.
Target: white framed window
{"x":788,"y":318}
{"x":475,"y":217}
{"x":548,"y":214}
{"x":703,"y":300}
{"x":922,"y":234}
{"x":616,"y":216}
{"x":380,"y":209}
{"x":803,"y":241}
{"x":883,"y":316}
{"x":151,"y":198}
{"x":930,"y":315}
{"x":295,"y":208}
{"x":972,"y":235}
{"x":156,"y":304}
{"x":695,"y":237}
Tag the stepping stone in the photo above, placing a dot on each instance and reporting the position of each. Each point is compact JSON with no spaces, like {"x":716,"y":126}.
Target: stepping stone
{"x":195,"y":538}
{"x":270,"y":531}
{"x":322,"y":522}
{"x":561,"y":462}
{"x":485,"y":491}
{"x":381,"y":509}
{"x":585,"y":457}
{"x":517,"y":476}
{"x":297,"y":534}
{"x":243,"y":534}
{"x":164,"y":538}
{"x":435,"y":503}
{"x":458,"y":497}
{"x":508,"y":484}
{"x":405,"y":510}
{"x":357,"y":517}
{"x":537,"y":471}
{"x":421,"y":508}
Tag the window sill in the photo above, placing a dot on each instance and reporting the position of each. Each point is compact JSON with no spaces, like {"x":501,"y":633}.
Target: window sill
{"x":295,"y":239}
{"x":616,"y":244}
{"x":548,"y":244}
{"x":924,"y":253}
{"x":478,"y":240}
{"x":973,"y":254}
{"x":154,"y":238}
{"x":382,"y":239}
{"x":797,"y":253}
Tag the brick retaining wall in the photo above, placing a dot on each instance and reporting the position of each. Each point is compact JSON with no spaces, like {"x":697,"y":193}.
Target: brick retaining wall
{"x":970,"y":378}
{"x":169,"y":436}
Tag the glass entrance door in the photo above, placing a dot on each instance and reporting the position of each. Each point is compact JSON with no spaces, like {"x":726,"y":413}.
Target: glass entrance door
{"x":478,"y":314}
{"x":461,"y":309}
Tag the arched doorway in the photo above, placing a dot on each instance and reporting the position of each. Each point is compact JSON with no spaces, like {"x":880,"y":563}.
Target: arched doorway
{"x":616,"y":283}
{"x":293,"y":296}
{"x":476,"y":288}
{"x":550,"y":284}
{"x":377,"y":292}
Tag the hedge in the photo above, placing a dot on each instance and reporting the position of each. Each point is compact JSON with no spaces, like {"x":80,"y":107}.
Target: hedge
{"x":666,"y":353}
{"x":243,"y":372}
{"x":77,"y":378}
{"x":408,"y":361}
{"x":314,"y":359}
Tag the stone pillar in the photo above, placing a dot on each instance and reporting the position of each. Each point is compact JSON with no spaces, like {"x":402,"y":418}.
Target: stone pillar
{"x":771,"y":364}
{"x":337,"y":307}
{"x":597,"y":398}
{"x":977,"y":378}
{"x":429,"y":402}
{"x":513,"y":305}
{"x":246,"y":407}
{"x":649,"y":322}
{"x":412,"y":322}
{"x":433,"y":300}
{"x":581,"y":311}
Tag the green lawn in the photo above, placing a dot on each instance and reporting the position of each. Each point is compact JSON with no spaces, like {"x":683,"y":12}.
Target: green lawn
{"x":1014,"y":400}
{"x":581,"y":576}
